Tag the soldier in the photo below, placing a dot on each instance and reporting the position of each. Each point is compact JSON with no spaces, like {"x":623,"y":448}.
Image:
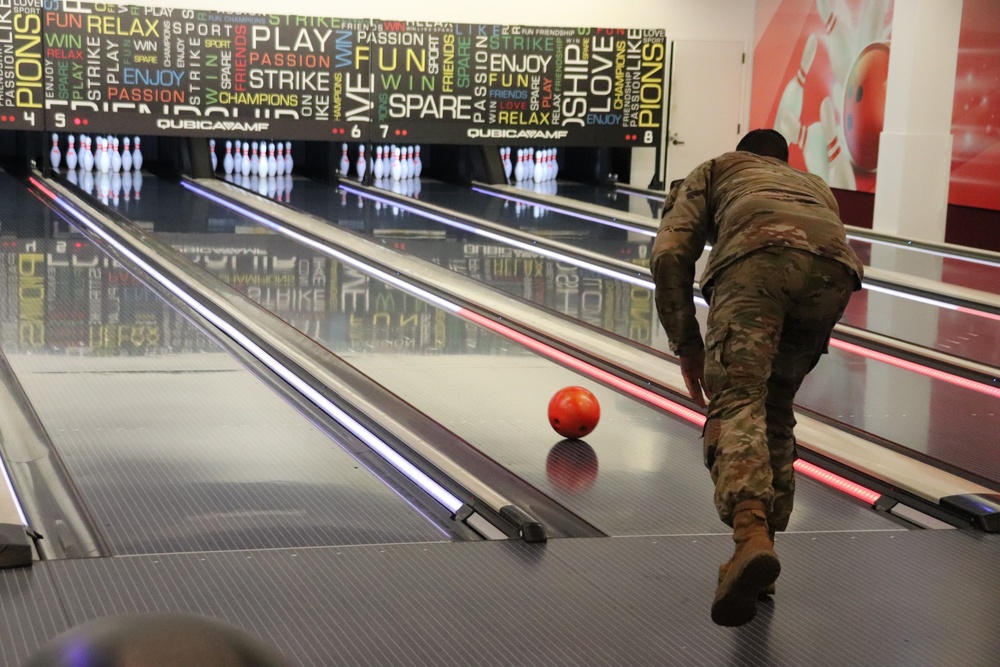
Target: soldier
{"x":778,"y":278}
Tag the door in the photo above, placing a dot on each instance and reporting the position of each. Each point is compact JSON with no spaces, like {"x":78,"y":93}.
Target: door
{"x":706,"y":97}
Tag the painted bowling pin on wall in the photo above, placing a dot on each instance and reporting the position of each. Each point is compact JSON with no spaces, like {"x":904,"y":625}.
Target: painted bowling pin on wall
{"x":837,"y":58}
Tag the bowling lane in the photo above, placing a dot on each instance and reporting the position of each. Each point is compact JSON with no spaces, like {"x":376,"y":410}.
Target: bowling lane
{"x":951,"y":424}
{"x":490,"y":391}
{"x":612,"y":198}
{"x":174,"y":445}
{"x":980,"y":271}
{"x":944,"y":328}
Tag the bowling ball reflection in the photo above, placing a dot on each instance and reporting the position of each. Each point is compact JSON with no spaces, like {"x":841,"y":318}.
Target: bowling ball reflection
{"x":571,"y":466}
{"x":864,"y":105}
{"x":156,"y":640}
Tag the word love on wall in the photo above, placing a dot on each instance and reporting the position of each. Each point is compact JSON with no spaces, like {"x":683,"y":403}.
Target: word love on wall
{"x":456,"y":83}
{"x":156,"y":70}
{"x":22,"y":96}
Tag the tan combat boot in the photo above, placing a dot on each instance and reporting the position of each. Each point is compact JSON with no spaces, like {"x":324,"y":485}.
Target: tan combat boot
{"x":765,"y":592}
{"x":753,"y":567}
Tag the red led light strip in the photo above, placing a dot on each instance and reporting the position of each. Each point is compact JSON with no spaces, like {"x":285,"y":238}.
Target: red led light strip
{"x":836,"y":481}
{"x":584,"y":367}
{"x":978,"y":313}
{"x":807,"y":469}
{"x":965,"y":383}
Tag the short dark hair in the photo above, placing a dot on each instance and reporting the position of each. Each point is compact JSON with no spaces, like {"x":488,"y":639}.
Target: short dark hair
{"x":765,"y":142}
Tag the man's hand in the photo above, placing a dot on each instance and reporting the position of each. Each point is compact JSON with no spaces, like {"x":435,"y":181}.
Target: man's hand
{"x":693,"y":370}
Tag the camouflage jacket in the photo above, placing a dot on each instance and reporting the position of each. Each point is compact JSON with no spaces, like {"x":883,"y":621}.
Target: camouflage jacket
{"x":738,"y":202}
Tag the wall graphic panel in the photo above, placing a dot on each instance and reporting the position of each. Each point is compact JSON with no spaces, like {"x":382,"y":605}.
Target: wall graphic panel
{"x":154,"y":70}
{"x":456,"y":83}
{"x":21,"y":65}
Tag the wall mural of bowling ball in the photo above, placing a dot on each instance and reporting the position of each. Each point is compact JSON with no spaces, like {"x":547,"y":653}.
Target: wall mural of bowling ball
{"x":571,"y":466}
{"x":864,"y":105}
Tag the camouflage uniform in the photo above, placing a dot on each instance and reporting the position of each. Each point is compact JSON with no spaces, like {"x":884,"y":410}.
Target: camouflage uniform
{"x":778,"y":278}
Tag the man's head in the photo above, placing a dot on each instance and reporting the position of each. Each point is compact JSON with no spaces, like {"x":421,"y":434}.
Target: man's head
{"x":765,"y":142}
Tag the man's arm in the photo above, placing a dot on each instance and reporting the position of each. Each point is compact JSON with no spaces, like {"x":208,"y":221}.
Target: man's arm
{"x":679,"y":243}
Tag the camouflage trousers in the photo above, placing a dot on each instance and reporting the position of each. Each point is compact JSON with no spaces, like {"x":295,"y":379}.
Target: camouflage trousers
{"x":770,"y":320}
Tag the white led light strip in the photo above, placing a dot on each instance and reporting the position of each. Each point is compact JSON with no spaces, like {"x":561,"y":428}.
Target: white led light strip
{"x":13,"y":496}
{"x":435,"y":490}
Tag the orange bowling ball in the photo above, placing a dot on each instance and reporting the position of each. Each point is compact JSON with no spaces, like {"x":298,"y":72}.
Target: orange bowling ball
{"x":574,"y":412}
{"x":864,"y":105}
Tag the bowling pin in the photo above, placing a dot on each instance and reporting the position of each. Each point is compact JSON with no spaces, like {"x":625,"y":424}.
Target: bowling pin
{"x":377,"y":167}
{"x":345,"y":161}
{"x":116,"y":157}
{"x":386,"y":162}
{"x":136,"y":156}
{"x":227,"y":161}
{"x":786,"y":120}
{"x":361,"y":165}
{"x":238,"y":158}
{"x":404,"y":162}
{"x":272,"y":162}
{"x":508,"y":168}
{"x":418,"y":165}
{"x":88,"y":156}
{"x":812,"y":142}
{"x":871,"y":23}
{"x":280,"y":162}
{"x":71,"y":154}
{"x":55,"y":155}
{"x":840,"y":45}
{"x":212,"y":155}
{"x":397,"y":167}
{"x":841,"y":170}
{"x":538,"y":171}
{"x":126,"y":157}
{"x":104,"y":160}
{"x":262,"y":161}
{"x":245,"y":165}
{"x":289,"y":163}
